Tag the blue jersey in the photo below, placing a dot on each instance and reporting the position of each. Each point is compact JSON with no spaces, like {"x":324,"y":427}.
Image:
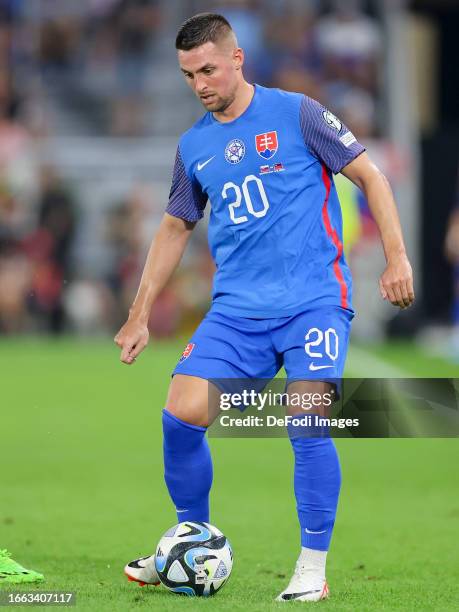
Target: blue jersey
{"x":275,"y":228}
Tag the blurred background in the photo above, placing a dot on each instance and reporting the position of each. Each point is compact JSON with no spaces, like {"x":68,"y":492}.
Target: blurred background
{"x":91,"y":107}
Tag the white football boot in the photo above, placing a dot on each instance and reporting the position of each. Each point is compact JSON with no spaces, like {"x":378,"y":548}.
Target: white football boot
{"x":306,"y":585}
{"x":143,"y":571}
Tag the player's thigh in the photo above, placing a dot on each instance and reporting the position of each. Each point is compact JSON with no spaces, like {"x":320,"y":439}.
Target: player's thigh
{"x":189,"y":399}
{"x":229,"y":347}
{"x":224,"y":355}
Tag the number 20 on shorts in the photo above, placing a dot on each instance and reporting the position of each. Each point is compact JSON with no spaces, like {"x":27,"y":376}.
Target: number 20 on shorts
{"x":326,"y":341}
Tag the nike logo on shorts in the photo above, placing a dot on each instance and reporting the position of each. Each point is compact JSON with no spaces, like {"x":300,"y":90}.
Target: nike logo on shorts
{"x":313,"y":367}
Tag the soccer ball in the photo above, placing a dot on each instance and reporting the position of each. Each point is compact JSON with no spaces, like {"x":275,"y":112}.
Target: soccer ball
{"x":194,"y":559}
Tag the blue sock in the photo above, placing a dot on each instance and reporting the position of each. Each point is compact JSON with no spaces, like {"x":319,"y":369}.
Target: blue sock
{"x":187,"y":468}
{"x":317,"y":482}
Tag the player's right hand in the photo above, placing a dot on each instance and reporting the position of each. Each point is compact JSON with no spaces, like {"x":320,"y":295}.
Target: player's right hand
{"x":132,"y":339}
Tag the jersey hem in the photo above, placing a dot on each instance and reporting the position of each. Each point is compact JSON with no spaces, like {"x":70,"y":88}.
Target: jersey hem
{"x":275,"y":314}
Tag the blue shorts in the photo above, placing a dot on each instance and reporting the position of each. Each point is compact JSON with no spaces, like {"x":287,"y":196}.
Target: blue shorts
{"x":311,"y":345}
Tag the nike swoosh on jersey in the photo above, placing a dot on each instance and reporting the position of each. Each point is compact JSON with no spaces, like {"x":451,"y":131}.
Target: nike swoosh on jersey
{"x":203,"y":164}
{"x":319,"y":367}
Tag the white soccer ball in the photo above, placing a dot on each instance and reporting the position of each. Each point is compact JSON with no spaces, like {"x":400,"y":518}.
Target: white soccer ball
{"x":194,"y":559}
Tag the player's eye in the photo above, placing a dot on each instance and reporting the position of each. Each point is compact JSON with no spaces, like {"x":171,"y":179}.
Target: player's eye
{"x":208,"y":70}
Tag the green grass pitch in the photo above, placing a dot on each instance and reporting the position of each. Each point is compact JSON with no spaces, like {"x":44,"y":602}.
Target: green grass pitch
{"x":82,"y":491}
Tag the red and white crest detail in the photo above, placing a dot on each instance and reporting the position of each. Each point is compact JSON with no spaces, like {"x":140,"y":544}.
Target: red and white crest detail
{"x":267,"y":144}
{"x":187,"y":352}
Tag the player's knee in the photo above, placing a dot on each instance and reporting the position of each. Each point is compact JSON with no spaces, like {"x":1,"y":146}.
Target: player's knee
{"x":187,"y":400}
{"x":188,"y":412}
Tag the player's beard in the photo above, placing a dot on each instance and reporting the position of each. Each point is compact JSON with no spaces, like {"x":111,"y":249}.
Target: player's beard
{"x":219,"y":105}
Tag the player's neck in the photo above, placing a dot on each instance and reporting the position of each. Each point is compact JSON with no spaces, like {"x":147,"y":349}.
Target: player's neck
{"x":244,"y":97}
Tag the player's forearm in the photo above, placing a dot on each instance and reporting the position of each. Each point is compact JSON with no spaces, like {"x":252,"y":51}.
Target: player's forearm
{"x":163,"y":258}
{"x":384,"y":210}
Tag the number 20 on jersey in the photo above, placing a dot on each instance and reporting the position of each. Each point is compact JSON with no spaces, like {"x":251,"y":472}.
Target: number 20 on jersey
{"x":243,"y":194}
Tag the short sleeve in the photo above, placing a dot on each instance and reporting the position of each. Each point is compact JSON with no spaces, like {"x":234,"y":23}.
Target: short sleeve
{"x":327,"y":137}
{"x":186,"y":199}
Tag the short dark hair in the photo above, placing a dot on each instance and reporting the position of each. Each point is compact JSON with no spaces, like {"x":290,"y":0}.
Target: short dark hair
{"x":200,"y":29}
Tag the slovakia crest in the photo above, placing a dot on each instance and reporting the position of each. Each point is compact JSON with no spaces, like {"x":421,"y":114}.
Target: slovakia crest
{"x":235,"y":151}
{"x":267,"y":144}
{"x":187,"y":352}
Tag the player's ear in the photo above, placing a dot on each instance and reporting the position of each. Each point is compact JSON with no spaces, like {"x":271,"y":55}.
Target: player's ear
{"x":238,"y":58}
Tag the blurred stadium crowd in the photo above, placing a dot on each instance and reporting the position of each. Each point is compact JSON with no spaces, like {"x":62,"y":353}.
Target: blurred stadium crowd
{"x":97,"y":69}
{"x":95,"y":56}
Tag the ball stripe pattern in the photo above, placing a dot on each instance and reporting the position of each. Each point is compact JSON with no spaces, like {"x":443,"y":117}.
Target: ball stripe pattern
{"x":194,"y":559}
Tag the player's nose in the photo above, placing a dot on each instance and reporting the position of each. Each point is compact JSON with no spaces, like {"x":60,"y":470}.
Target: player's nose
{"x":200,"y":85}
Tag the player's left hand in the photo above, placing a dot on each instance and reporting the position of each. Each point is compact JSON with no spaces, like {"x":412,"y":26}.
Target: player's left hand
{"x":396,"y":282}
